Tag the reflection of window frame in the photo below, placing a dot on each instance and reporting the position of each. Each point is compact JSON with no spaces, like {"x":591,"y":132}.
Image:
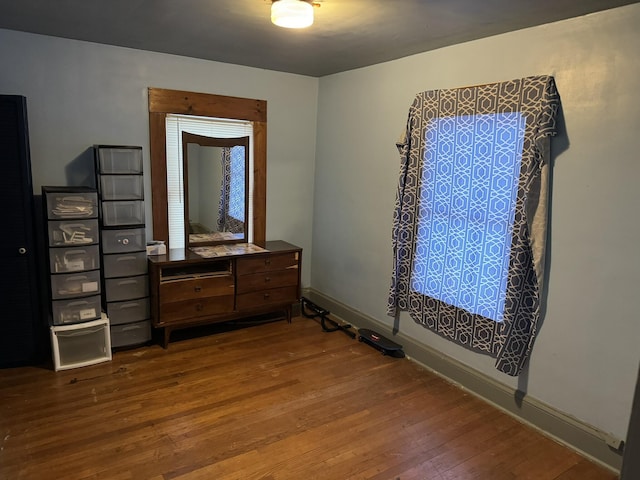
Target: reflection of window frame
{"x":207,"y":126}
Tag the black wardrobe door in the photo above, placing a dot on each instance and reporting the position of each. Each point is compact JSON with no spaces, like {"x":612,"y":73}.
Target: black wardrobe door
{"x":19,"y":300}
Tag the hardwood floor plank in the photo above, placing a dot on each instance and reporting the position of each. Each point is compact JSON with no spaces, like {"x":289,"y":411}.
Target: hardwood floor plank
{"x":275,"y":401}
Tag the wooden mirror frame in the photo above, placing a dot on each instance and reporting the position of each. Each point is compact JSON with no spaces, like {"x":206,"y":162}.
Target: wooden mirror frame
{"x":163,"y":102}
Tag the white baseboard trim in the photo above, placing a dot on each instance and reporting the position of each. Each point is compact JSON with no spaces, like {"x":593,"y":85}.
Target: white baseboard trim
{"x":581,"y":437}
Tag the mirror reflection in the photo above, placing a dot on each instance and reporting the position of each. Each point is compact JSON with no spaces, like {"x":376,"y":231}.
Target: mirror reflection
{"x":215,"y":184}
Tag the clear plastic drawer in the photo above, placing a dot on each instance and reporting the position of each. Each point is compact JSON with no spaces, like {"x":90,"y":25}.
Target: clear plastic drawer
{"x":124,"y":240}
{"x":130,"y":334}
{"x":74,"y":259}
{"x":71,"y":205}
{"x":123,"y":213}
{"x":70,"y":285}
{"x":80,"y":345}
{"x":118,"y":289}
{"x":125,"y":264}
{"x":76,"y":310}
{"x":128,"y":311}
{"x":72,"y":232}
{"x":119,"y":160}
{"x":121,"y":187}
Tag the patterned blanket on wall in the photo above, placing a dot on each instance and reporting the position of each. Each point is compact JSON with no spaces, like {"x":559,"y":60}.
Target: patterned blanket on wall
{"x":469,"y":226}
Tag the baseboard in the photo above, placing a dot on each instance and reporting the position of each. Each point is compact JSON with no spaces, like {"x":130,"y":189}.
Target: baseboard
{"x":563,"y":428}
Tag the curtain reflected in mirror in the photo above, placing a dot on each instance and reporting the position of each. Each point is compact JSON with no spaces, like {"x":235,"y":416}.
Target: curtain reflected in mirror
{"x":215,"y":174}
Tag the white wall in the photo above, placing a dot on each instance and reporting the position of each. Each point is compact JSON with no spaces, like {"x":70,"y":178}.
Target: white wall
{"x":80,"y":94}
{"x":585,"y":360}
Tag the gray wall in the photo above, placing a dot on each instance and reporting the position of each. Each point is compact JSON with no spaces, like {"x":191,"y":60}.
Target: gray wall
{"x":585,"y":359}
{"x":80,"y":93}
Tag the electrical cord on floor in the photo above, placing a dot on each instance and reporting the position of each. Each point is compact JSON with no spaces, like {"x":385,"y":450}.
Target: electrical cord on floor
{"x":313,"y":311}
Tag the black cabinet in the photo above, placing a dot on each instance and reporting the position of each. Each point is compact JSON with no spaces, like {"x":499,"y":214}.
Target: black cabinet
{"x":20,"y":317}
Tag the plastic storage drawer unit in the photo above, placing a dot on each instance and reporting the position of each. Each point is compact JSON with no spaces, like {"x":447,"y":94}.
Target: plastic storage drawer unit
{"x":119,"y":160}
{"x":125,"y":264}
{"x":128,"y":311}
{"x":66,"y":233}
{"x":118,"y":289}
{"x":80,"y":344}
{"x":131,"y":334}
{"x":71,"y":285}
{"x":120,"y":241}
{"x":122,"y":213}
{"x":74,"y":259}
{"x":121,"y":187}
{"x":71,"y":205}
{"x":76,"y":310}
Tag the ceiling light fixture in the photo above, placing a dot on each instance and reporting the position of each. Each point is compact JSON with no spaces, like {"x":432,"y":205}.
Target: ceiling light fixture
{"x":292,"y":13}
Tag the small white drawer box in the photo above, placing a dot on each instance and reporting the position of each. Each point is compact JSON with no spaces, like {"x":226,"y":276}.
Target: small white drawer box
{"x":81,"y":344}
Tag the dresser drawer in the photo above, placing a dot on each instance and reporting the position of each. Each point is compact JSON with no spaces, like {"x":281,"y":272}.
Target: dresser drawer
{"x":274,"y":296}
{"x":266,"y":263}
{"x":196,"y":288}
{"x":190,"y":309}
{"x":267,"y":280}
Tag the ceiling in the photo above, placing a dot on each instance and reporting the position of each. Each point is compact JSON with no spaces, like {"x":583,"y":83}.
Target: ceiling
{"x":346,"y":34}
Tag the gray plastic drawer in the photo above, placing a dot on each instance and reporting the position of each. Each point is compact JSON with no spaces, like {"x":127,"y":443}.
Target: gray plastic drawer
{"x":119,"y":160}
{"x":130,"y":334}
{"x":74,"y":259}
{"x":69,"y":205}
{"x":71,"y":285}
{"x":123,"y":213}
{"x":121,"y":187}
{"x":76,"y":310}
{"x":65,"y":233}
{"x":118,"y":289}
{"x":126,"y":240}
{"x":125,"y":264}
{"x":128,"y":311}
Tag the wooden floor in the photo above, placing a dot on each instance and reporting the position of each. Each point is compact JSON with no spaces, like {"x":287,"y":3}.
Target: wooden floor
{"x":274,"y":401}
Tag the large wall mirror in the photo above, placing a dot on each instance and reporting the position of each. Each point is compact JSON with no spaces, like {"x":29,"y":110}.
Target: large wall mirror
{"x":164,"y":103}
{"x":216,"y":180}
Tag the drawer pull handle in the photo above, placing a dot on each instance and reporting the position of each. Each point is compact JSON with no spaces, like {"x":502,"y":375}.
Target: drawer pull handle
{"x":267,"y":261}
{"x":266,"y":295}
{"x":198,"y":288}
{"x":198,"y":307}
{"x":267,"y":279}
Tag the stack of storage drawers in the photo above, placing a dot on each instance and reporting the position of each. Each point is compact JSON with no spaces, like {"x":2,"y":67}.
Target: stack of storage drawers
{"x":124,"y":257}
{"x":79,"y":334}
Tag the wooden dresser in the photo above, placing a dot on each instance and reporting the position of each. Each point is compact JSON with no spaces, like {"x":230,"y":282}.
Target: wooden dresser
{"x":188,"y":290}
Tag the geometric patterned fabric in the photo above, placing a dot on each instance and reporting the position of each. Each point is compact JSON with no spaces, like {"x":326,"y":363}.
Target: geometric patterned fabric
{"x":231,"y":205}
{"x":470,"y":178}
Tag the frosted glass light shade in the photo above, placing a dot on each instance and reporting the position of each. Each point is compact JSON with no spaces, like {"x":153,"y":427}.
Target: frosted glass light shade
{"x":292,"y":13}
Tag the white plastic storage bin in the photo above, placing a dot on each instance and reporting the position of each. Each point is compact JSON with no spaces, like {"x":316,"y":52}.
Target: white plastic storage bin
{"x":74,"y":259}
{"x":125,"y":264}
{"x":121,"y":187}
{"x":128,"y":311}
{"x":119,"y":160}
{"x":118,"y":289}
{"x":122,"y":213}
{"x":130,"y":334}
{"x":81,"y":344}
{"x":69,"y":285}
{"x":71,"y":205}
{"x":76,"y":310}
{"x":65,"y":233}
{"x":120,"y":241}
